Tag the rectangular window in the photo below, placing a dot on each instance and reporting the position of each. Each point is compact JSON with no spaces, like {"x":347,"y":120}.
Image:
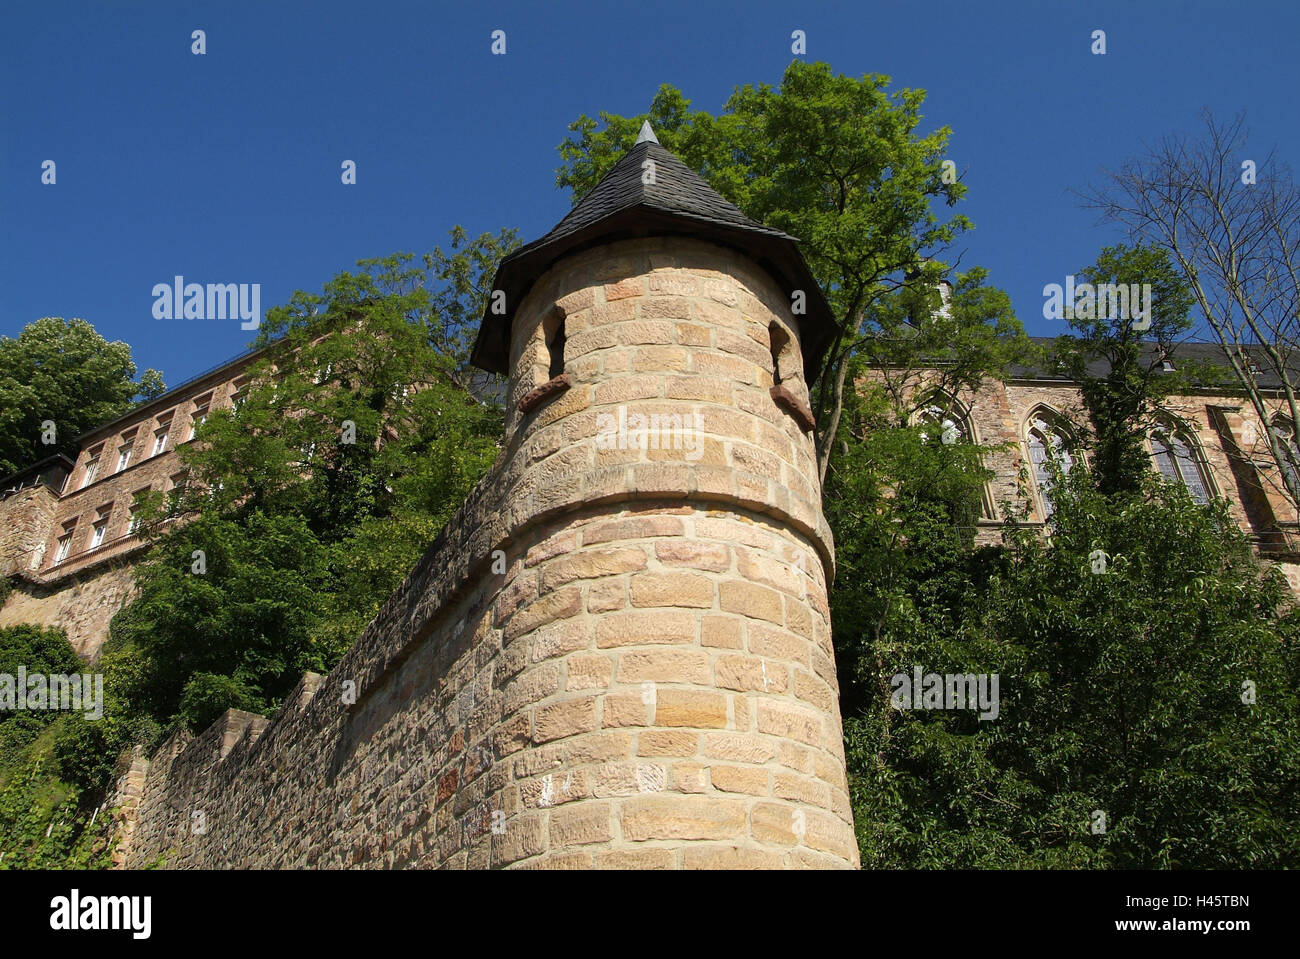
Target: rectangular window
{"x":123,"y":457}
{"x":556,"y":351}
{"x":1290,"y":452}
{"x":1177,"y":463}
{"x":240,"y":388}
{"x":200,"y":417}
{"x":137,"y":505}
{"x":1185,"y":460}
{"x":1164,"y":458}
{"x":160,"y":441}
{"x":100,"y":529}
{"x":92,"y":471}
{"x":65,"y":542}
{"x":175,"y":493}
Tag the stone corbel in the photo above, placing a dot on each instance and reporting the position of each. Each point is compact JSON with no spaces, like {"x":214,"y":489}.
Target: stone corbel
{"x":534,"y":398}
{"x":794,"y":406}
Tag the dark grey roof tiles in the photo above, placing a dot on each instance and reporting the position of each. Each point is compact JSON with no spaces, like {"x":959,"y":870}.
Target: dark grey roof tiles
{"x":675,"y":201}
{"x":1208,"y":354}
{"x":675,"y":189}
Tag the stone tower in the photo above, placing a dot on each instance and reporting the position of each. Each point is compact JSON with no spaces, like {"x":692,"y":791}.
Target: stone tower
{"x":618,"y":653}
{"x":658,"y":345}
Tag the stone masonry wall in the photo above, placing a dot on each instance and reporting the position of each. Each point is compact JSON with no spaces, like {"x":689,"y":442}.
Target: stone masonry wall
{"x":25,"y":521}
{"x":611,"y":657}
{"x":81,"y":605}
{"x":1233,"y":456}
{"x":84,"y":590}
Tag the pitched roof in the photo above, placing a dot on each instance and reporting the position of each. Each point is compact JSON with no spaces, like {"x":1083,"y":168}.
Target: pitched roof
{"x":676,"y":201}
{"x":1203,"y":354}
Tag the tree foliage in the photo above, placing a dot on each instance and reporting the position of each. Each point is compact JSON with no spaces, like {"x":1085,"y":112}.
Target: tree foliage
{"x":356,"y":440}
{"x":1156,"y":699}
{"x":44,"y":819}
{"x":36,"y":650}
{"x":62,"y":372}
{"x":838,"y":162}
{"x":1126,"y":396}
{"x":1231,"y":227}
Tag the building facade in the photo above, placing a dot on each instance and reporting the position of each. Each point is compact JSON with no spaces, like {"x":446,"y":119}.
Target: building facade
{"x":68,"y":525}
{"x":617,"y":654}
{"x":1211,"y":442}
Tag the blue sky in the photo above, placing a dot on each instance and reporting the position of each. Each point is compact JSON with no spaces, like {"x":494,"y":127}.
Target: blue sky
{"x":226,"y":167}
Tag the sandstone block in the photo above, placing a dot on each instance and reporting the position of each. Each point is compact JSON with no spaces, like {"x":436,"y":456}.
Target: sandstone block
{"x":798,"y":722}
{"x":668,"y":742}
{"x":665,"y":664}
{"x":683,"y":707}
{"x":581,"y":824}
{"x":640,"y":627}
{"x":682,"y":818}
{"x":672,"y":589}
{"x":757,"y":602}
{"x":568,"y":718}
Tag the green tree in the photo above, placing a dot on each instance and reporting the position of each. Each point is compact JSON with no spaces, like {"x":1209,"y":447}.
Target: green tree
{"x":37,"y":650}
{"x":1125,"y":400}
{"x":834,"y":160}
{"x":358,"y":438}
{"x":1120,"y":693}
{"x":62,"y":372}
{"x":43,"y":808}
{"x":1234,"y":243}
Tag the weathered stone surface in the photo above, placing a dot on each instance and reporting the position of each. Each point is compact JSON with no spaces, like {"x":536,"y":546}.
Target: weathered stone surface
{"x":623,"y":695}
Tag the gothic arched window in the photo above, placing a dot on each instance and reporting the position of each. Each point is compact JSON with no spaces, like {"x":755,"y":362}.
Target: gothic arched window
{"x":1285,"y":435}
{"x":1050,"y":448}
{"x":942,"y":422}
{"x":945,"y":420}
{"x":1175,"y":454}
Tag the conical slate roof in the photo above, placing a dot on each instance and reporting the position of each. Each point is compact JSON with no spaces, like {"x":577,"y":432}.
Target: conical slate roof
{"x":678,"y":202}
{"x":677,"y":190}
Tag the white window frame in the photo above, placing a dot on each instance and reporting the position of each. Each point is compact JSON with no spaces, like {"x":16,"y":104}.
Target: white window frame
{"x":65,"y":546}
